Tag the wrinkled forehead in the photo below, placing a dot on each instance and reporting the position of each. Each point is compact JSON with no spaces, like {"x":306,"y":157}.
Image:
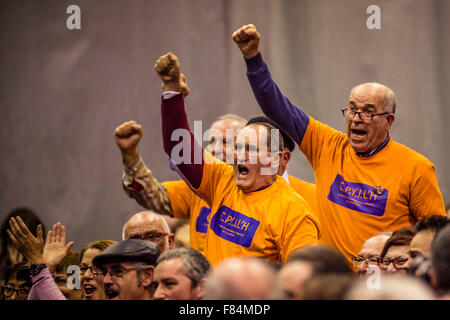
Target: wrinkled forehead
{"x":374,"y":245}
{"x":251,"y":134}
{"x":367,"y":95}
{"x":232,"y":125}
{"x":146,"y":223}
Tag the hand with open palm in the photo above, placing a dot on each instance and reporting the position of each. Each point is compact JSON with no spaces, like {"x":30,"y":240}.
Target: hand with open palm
{"x":55,"y":248}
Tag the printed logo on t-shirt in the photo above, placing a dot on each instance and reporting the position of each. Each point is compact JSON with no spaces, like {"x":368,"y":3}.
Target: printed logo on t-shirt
{"x":358,"y":196}
{"x":202,"y":222}
{"x":234,"y":226}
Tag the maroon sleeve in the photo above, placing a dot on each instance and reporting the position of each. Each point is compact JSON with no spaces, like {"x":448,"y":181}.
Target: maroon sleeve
{"x":174,"y":117}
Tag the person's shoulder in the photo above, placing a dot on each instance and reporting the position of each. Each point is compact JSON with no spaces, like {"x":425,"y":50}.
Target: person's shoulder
{"x":288,"y":195}
{"x":295,"y":182}
{"x":413,"y":157}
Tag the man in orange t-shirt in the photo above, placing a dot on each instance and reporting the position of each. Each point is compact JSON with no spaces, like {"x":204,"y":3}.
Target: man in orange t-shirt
{"x":366,"y":182}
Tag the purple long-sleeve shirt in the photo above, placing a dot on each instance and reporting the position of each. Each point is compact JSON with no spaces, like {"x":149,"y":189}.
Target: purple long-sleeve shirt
{"x":272,"y":102}
{"x":173,"y":116}
{"x":44,"y":287}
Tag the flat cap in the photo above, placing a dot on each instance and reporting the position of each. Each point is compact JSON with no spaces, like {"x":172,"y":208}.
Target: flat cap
{"x":135,"y":250}
{"x":287,"y":140}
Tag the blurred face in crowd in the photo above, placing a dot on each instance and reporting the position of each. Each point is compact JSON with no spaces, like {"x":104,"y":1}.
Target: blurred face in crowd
{"x":122,"y":281}
{"x":92,"y":284}
{"x":147,"y":225}
{"x":173,"y":284}
{"x":421,"y":244}
{"x":366,"y":135}
{"x":15,"y":289}
{"x":14,"y":256}
{"x":61,"y":281}
{"x":250,"y":173}
{"x":370,"y":253}
{"x":397,"y":259}
{"x":292,"y":278}
{"x":220,"y":144}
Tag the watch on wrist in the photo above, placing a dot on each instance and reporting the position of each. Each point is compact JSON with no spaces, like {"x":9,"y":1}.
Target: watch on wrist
{"x":36,"y":268}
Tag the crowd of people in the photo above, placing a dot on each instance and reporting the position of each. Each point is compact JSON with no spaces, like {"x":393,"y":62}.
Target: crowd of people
{"x":373,"y":226}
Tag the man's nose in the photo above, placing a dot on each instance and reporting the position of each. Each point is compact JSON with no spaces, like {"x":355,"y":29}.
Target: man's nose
{"x":362,"y":267}
{"x":391,"y":268}
{"x":159,"y":294}
{"x":107,"y":278}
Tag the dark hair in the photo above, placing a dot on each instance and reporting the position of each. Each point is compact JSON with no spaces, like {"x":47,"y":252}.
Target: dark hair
{"x":195,"y":265}
{"x":30,"y":219}
{"x":400,"y":237}
{"x":433,"y":223}
{"x":324,"y":260}
{"x":327,"y":287}
{"x":20,"y":271}
{"x":440,"y":258}
{"x":287,"y":140}
{"x":72,"y":258}
{"x":269,"y":127}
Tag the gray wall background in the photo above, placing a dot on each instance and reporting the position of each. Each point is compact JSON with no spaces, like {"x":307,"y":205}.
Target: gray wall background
{"x":62,"y":92}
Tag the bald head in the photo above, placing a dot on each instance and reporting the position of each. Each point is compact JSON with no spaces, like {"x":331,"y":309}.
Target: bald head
{"x":385,"y":94}
{"x":150,"y":226}
{"x":293,"y":276}
{"x":372,"y":249}
{"x":220,"y":143}
{"x":243,"y":279}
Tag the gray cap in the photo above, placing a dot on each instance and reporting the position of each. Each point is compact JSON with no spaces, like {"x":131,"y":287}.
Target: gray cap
{"x":136,"y":250}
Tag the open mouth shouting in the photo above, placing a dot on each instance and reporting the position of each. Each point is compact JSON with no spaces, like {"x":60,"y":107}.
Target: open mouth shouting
{"x":242,"y":171}
{"x":89,"y":291}
{"x":358,"y":134}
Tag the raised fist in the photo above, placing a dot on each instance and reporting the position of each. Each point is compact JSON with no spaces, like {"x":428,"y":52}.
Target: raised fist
{"x":127,"y":137}
{"x":168,"y":69}
{"x":247,"y":39}
{"x":184,"y":86}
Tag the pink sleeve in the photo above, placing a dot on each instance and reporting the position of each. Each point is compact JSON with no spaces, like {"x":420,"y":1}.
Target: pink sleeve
{"x":45,"y":288}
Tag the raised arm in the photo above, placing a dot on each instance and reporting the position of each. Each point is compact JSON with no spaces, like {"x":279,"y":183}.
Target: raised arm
{"x":137,"y":180}
{"x":174,"y":118}
{"x":272,"y":102}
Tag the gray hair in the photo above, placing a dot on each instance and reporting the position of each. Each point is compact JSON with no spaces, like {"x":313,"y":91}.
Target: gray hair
{"x":232,"y":116}
{"x":140,"y":267}
{"x":195,"y":265}
{"x":389,"y":103}
{"x":163,"y":222}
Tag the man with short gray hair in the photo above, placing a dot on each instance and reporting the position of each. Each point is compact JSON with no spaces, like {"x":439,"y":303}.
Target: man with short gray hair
{"x":180,"y":275}
{"x":366,"y":182}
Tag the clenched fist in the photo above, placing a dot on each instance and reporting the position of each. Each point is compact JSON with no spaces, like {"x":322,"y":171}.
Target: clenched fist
{"x":127,"y":137}
{"x":168,"y":69}
{"x":247,"y":39}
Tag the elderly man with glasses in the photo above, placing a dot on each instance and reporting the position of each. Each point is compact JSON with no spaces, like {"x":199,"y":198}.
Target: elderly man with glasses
{"x":366,"y":182}
{"x":128,"y":268}
{"x":148,"y":225}
{"x":254,"y":212}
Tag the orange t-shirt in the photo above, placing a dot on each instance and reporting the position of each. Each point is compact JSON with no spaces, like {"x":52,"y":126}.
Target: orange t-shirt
{"x":359,"y":197}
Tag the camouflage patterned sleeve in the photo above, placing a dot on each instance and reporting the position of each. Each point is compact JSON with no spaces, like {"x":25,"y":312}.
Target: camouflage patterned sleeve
{"x":139,"y":183}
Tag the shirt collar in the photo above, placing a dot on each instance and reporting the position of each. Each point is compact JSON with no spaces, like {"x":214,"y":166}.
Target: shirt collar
{"x":377,"y":149}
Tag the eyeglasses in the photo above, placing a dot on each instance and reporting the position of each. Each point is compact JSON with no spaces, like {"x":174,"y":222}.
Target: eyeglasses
{"x":96,"y":271}
{"x":373,"y":260}
{"x":8,"y":291}
{"x":399,"y":263}
{"x":366,"y":116}
{"x":116,"y":272}
{"x":150,"y":236}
